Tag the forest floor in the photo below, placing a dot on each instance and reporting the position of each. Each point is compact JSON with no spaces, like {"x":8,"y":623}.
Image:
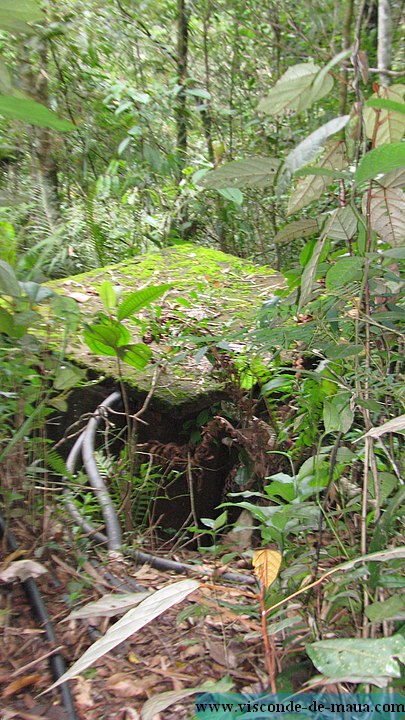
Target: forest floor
{"x":214,"y":633}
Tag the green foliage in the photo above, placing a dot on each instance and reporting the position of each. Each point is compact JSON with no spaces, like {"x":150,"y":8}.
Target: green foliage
{"x":16,"y":14}
{"x":109,"y":336}
{"x":29,"y":111}
{"x":27,"y":395}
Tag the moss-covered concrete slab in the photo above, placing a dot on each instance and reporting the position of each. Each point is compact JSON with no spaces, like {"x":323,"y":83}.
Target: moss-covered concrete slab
{"x":212,"y":294}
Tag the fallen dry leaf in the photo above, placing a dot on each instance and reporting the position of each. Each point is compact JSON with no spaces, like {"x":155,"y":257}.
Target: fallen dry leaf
{"x":21,"y":570}
{"x":22,"y":682}
{"x":83,"y":694}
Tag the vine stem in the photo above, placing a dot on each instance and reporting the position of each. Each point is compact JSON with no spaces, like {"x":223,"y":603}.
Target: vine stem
{"x":269,"y":648}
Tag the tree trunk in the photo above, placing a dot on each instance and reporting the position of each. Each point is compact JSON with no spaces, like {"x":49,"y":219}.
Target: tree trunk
{"x":346,"y":43}
{"x":182,"y":59}
{"x":384,"y":50}
{"x":44,"y":169}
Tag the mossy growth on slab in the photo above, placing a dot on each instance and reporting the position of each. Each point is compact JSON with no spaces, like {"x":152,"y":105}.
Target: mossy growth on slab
{"x":213,"y":295}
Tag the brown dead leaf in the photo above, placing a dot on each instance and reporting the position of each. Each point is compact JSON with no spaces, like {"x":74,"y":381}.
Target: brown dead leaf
{"x":222,"y":654}
{"x":22,"y":682}
{"x":82,"y":692}
{"x":122,"y":685}
{"x":21,"y":570}
{"x":127,"y":685}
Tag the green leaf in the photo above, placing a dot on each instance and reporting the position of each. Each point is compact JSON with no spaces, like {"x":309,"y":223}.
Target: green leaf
{"x":337,"y":413}
{"x":381,"y":160}
{"x":67,"y":377}
{"x":105,"y":339}
{"x":391,"y":609}
{"x":344,"y":271}
{"x":256,"y":172}
{"x":383,"y":125}
{"x":397,"y":253}
{"x":326,"y":172}
{"x":280,"y":489}
{"x":309,"y":273}
{"x":310,"y":147}
{"x":33,"y":113}
{"x":298,"y":229}
{"x":135,"y":301}
{"x":35,"y":292}
{"x":296,"y":89}
{"x":9,"y":284}
{"x":357,"y":660}
{"x":220,"y":521}
{"x":107,"y":295}
{"x":376,"y":102}
{"x":6,"y":322}
{"x":342,"y":350}
{"x":199,"y":92}
{"x":15,"y":14}
{"x":232,"y":194}
{"x":137,"y":355}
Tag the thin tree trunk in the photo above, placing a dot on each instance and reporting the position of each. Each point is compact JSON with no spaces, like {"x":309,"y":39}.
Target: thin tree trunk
{"x":182,"y":60}
{"x":384,"y":50}
{"x":346,"y":43}
{"x":44,"y":169}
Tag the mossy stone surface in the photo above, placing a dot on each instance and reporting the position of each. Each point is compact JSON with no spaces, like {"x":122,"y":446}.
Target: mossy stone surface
{"x":212,"y":294}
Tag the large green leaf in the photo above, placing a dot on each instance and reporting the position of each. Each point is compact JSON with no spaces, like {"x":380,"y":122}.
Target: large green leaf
{"x":9,"y":284}
{"x":312,"y":187}
{"x":296,"y":90}
{"x":342,"y":224}
{"x":387,"y":214}
{"x":31,"y":112}
{"x":391,"y":609}
{"x":385,"y":125}
{"x":256,"y":172}
{"x":344,"y":271}
{"x":15,"y":14}
{"x":358,"y":660}
{"x":6,"y":322}
{"x":133,"y":302}
{"x":309,"y":148}
{"x":309,"y":273}
{"x":381,"y":160}
{"x":386,"y":104}
{"x":138,"y":355}
{"x":232,"y":194}
{"x":133,"y":620}
{"x":105,"y":339}
{"x":67,"y":377}
{"x":108,"y":295}
{"x":298,"y":229}
{"x":337,"y":413}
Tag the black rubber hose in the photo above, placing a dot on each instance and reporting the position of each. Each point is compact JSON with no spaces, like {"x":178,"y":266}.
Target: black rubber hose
{"x":56,"y":661}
